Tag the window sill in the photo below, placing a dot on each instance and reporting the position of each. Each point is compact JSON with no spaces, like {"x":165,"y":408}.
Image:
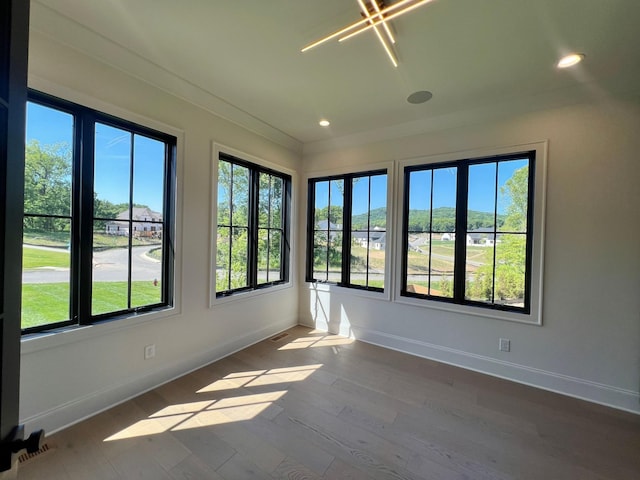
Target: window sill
{"x":533,"y":318}
{"x":246,"y":295}
{"x":58,"y":337}
{"x":334,"y":288}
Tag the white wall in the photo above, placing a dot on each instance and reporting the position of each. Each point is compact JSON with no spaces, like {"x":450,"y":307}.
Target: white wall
{"x":70,"y":375}
{"x":589,"y":343}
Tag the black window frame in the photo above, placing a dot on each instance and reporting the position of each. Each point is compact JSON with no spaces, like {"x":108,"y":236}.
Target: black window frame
{"x":82,"y":210}
{"x":253,"y":227}
{"x":462,"y":184}
{"x":345,"y":272}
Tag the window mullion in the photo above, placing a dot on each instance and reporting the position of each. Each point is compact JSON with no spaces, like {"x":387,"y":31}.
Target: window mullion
{"x":461,"y":232}
{"x":269,"y":228}
{"x":76,"y":200}
{"x":495,"y":235}
{"x":231,"y":170}
{"x":168,"y":232}
{"x":405,"y":229}
{"x":252,"y":234}
{"x":366,"y":282}
{"x":346,"y":230}
{"x":311,"y":214}
{"x":131,"y":224}
{"x":83,"y":287}
{"x":529,"y":233}
{"x":431,"y":232}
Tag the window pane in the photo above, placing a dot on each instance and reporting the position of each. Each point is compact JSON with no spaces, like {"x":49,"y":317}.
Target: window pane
{"x":443,"y":221}
{"x":223,"y":264}
{"x":442,"y":264}
{"x":110,"y":287}
{"x":419,"y":201}
{"x":379,"y":201}
{"x":368,"y":234}
{"x":48,"y":161}
{"x":320,"y":248}
{"x":275,"y":256}
{"x":264,"y":200}
{"x":46,"y":263}
{"x":224,"y":193}
{"x":148,"y":175}
{"x":146,"y":266}
{"x":46,"y":260}
{"x":335,"y":257}
{"x":513,"y":178}
{"x":418,"y":263}
{"x":482,"y":198}
{"x":510,"y":269}
{"x":321,"y":208}
{"x":360,"y":231}
{"x":112,"y":164}
{"x":277,"y":193}
{"x":444,"y":200}
{"x":359,"y":258}
{"x":479,"y":272}
{"x":360,"y":204}
{"x":336,"y":204}
{"x":263,"y":255}
{"x":240,"y":195}
{"x":239,"y":258}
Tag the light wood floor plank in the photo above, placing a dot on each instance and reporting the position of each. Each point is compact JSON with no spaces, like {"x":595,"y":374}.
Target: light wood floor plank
{"x":318,"y":406}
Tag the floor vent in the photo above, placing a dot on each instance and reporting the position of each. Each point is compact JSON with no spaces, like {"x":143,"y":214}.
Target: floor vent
{"x":27,"y":457}
{"x":280,"y":336}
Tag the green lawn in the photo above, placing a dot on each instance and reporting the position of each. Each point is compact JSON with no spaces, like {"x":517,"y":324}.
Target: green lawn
{"x":61,"y":239}
{"x":36,"y":258}
{"x":44,"y":303}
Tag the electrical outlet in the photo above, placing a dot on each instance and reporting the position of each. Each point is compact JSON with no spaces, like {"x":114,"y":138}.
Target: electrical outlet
{"x":149,"y":351}
{"x":504,"y":345}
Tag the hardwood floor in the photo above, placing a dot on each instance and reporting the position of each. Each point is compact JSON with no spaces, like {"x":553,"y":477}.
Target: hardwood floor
{"x":313,"y":406}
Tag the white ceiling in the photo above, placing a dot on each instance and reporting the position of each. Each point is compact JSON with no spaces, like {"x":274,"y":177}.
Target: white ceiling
{"x":241,"y":58}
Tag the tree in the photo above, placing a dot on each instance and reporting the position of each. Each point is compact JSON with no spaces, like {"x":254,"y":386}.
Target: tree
{"x":507,"y":276}
{"x":47,"y":187}
{"x":516,"y":189}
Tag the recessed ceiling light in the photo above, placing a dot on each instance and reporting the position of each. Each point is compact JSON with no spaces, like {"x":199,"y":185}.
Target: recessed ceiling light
{"x":420,"y":96}
{"x":570,"y":60}
{"x":324,"y":123}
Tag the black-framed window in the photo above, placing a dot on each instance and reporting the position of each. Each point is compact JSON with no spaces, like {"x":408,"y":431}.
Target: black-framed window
{"x":252,"y":235}
{"x":98,"y":216}
{"x":468,"y":231}
{"x":347,"y":230}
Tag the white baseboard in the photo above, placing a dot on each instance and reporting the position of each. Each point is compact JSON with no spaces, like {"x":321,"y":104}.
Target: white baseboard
{"x":608,"y":395}
{"x":78,"y":409}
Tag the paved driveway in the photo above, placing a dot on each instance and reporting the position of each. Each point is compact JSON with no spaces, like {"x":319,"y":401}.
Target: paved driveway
{"x":108,"y":266}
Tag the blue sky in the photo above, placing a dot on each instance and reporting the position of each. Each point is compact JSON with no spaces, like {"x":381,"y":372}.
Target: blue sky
{"x":112,"y":156}
{"x":482,"y":191}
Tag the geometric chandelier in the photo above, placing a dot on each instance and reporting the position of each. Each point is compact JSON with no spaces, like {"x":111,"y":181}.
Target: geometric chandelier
{"x":376,"y":17}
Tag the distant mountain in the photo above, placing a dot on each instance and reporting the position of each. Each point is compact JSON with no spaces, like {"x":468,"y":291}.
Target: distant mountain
{"x":443,"y":219}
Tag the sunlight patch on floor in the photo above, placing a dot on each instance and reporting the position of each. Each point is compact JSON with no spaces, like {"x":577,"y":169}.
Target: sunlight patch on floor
{"x":232,"y":408}
{"x":261,"y":378}
{"x":184,"y":416}
{"x":317,"y":341}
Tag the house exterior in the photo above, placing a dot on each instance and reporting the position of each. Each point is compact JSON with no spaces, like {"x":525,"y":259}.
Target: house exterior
{"x":482,"y":237}
{"x":146,"y":223}
{"x":375,"y":239}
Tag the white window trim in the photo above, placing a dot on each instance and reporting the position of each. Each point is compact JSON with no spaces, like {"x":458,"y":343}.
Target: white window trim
{"x":391,"y":233}
{"x":537,"y":261}
{"x":216,"y":150}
